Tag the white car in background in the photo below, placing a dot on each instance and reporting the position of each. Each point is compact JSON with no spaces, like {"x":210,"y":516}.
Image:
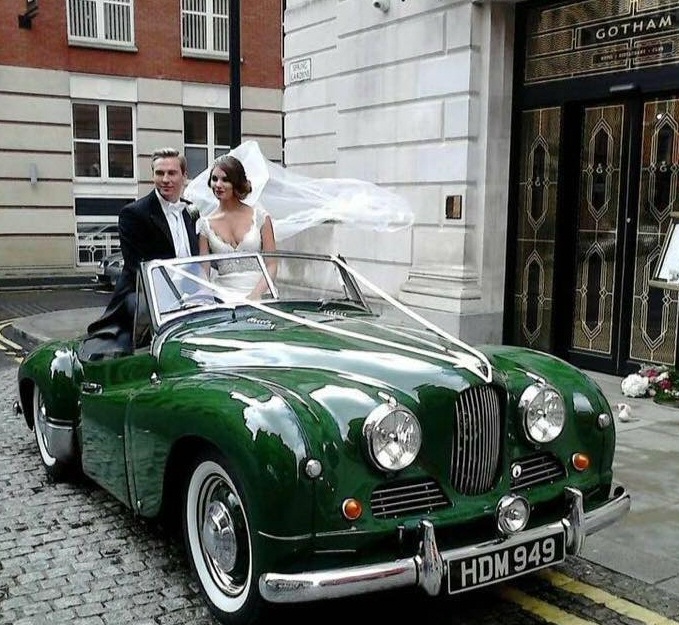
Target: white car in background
{"x":109,"y":269}
{"x":96,"y":241}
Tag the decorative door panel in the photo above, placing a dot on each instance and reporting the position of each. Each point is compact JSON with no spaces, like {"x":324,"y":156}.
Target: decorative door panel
{"x":536,"y":228}
{"x":597,"y":238}
{"x":653,"y":328}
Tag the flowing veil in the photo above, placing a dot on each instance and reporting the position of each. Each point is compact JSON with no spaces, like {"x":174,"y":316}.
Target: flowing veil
{"x":297,"y":202}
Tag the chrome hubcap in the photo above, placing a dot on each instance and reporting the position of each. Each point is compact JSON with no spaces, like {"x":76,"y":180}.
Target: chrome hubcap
{"x":219,"y":537}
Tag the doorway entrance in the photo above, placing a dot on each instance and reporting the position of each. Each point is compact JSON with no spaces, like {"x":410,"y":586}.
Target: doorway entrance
{"x":597,"y":184}
{"x":627,"y":188}
{"x":595,"y":176}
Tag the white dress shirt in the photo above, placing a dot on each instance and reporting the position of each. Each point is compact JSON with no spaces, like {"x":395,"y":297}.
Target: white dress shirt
{"x":173,"y":214}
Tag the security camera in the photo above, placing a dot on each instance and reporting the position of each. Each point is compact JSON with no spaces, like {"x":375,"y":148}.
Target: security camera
{"x":382,"y":5}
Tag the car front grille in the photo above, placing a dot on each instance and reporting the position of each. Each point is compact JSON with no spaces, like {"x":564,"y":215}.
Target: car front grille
{"x":476,"y":440}
{"x":538,"y":469}
{"x":401,"y":498}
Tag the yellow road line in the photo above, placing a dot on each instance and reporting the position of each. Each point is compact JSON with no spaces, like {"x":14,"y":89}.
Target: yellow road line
{"x":10,"y":344}
{"x":621,"y":606}
{"x":544,"y":610}
{"x":4,"y":340}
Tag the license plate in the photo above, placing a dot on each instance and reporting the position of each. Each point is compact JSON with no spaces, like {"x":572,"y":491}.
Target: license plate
{"x":496,"y":563}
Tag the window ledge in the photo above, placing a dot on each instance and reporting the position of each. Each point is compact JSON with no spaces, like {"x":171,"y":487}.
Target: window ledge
{"x":88,"y":187}
{"x":205,"y":54}
{"x":103,"y":45}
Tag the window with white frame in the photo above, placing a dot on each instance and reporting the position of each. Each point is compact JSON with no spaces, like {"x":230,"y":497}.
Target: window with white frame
{"x":96,"y":227}
{"x":103,"y":141}
{"x":207,"y":135}
{"x":108,"y":22}
{"x":205,"y":27}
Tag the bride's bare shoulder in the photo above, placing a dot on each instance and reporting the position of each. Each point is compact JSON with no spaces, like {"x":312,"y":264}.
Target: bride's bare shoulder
{"x":215,"y":216}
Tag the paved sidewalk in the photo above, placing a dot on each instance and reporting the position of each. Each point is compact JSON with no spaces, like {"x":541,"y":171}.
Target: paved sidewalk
{"x":60,"y":324}
{"x":644,"y":546}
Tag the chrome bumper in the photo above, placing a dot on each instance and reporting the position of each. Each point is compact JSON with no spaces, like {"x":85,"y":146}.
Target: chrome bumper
{"x":60,"y":441}
{"x":427,"y":567}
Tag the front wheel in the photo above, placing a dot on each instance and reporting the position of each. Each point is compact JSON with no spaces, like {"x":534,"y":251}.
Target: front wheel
{"x":218,"y":538}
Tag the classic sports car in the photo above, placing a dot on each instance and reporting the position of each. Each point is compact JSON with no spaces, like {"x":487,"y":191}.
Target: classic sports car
{"x":323,"y":440}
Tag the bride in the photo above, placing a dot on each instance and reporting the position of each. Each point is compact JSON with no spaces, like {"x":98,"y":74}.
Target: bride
{"x":248,"y":203}
{"x":235,"y":226}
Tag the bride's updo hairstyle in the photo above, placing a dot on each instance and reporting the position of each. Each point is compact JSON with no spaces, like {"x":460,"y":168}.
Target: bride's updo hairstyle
{"x":235,"y":174}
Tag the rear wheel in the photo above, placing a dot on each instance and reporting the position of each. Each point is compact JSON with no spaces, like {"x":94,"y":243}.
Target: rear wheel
{"x":56,"y":468}
{"x":218,"y":538}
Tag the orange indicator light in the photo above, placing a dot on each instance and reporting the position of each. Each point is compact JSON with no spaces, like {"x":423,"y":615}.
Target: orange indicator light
{"x":580,"y":462}
{"x":352,"y":509}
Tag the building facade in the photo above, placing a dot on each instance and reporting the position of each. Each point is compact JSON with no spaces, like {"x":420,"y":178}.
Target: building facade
{"x":88,"y":88}
{"x":538,"y":143}
{"x":416,"y":96}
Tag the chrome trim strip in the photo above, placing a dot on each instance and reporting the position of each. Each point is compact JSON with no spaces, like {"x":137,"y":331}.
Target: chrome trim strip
{"x":285,"y":538}
{"x":352,"y":531}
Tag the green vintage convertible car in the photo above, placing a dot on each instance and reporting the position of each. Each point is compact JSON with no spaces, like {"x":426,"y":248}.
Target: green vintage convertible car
{"x":321,"y":440}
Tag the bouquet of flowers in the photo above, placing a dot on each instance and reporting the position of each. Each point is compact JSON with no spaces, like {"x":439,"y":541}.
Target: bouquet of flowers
{"x":635,"y":385}
{"x":657,"y":381}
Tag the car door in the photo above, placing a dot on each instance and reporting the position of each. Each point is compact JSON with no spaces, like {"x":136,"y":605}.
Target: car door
{"x":109,"y":386}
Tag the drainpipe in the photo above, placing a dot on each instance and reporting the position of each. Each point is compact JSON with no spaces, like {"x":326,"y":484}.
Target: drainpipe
{"x":234,"y":63}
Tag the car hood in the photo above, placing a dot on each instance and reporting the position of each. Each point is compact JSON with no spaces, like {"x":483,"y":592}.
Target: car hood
{"x":365,"y":350}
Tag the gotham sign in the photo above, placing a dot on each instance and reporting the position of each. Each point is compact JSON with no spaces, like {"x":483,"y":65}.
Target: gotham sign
{"x":659,"y":23}
{"x":580,"y":39}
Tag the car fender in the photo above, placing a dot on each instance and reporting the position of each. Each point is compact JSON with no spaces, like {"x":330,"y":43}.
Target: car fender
{"x":253,"y":427}
{"x":551,"y":369}
{"x":57,"y":371}
{"x":583,"y":397}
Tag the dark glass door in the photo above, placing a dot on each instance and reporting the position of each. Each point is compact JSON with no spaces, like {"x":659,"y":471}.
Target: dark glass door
{"x":596,"y":185}
{"x":601,"y":221}
{"x":626,"y":189}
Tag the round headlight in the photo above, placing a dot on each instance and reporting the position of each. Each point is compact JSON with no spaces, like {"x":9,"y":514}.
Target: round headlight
{"x":544,"y":413}
{"x":392,"y":436}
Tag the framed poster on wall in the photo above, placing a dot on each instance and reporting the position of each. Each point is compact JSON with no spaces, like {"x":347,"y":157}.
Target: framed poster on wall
{"x":666,"y":275}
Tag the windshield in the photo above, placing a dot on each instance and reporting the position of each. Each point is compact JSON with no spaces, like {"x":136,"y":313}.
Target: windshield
{"x":231,"y":280}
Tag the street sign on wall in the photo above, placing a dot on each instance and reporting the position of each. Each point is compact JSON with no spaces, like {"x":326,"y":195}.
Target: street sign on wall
{"x":300,"y":70}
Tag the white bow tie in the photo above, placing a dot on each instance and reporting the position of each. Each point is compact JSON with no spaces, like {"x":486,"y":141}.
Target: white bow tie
{"x":176,"y":207}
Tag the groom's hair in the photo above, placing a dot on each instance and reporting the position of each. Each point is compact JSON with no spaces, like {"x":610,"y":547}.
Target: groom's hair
{"x":168,"y":153}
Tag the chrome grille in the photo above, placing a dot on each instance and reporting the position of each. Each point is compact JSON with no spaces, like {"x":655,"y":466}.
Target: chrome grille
{"x":476,"y":441}
{"x":539,"y":469}
{"x":401,"y":498}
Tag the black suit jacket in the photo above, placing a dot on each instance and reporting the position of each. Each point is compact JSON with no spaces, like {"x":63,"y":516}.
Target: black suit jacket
{"x":144,"y":235}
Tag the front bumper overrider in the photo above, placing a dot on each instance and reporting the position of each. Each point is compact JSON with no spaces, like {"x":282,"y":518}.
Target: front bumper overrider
{"x":426,"y":568}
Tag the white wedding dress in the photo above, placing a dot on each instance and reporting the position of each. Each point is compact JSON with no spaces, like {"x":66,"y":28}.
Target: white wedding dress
{"x":239,"y":276}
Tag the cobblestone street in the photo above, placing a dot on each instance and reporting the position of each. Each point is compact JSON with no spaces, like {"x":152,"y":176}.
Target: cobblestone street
{"x":70,"y":553}
{"x":32,"y":301}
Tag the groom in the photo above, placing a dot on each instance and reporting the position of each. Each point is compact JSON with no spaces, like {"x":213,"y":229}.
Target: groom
{"x":154,"y":226}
